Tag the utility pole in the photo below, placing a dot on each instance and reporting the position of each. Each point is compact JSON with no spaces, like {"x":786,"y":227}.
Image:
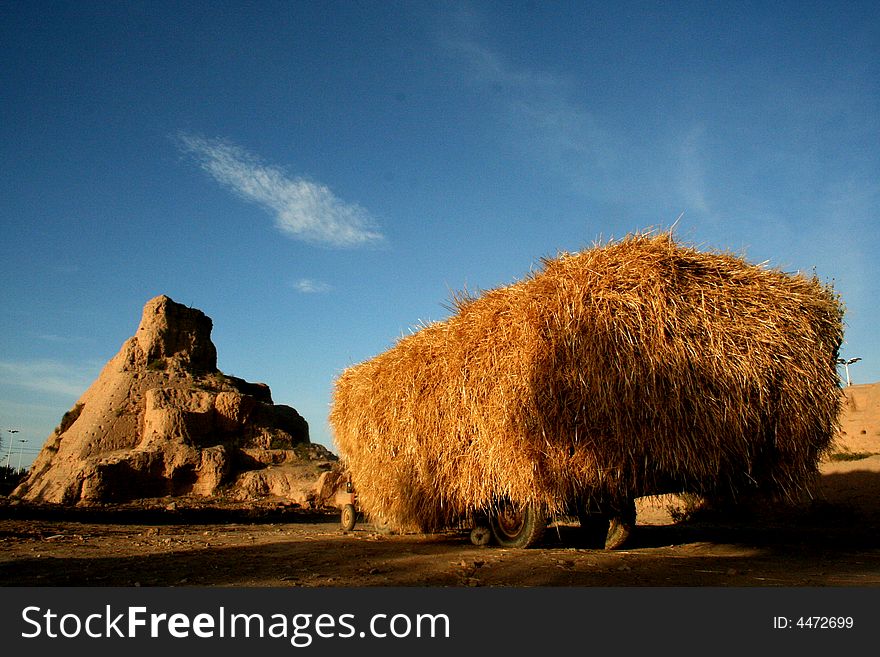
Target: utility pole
{"x":846,"y":364}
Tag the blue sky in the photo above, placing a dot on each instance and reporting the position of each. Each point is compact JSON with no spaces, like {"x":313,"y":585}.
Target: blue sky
{"x":319,"y":177}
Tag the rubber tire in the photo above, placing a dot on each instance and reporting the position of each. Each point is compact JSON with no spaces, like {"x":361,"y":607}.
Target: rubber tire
{"x":481,"y":535}
{"x":526,"y":530}
{"x":621,"y":526}
{"x":348,"y":518}
{"x":618,"y":531}
{"x":608,"y":530}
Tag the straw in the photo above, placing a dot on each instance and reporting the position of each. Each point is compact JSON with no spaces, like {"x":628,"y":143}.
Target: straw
{"x":630,"y":368}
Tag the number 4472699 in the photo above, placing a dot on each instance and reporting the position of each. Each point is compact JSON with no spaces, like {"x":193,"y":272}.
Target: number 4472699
{"x":824,"y":622}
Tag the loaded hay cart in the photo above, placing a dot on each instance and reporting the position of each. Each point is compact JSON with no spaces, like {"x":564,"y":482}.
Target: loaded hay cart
{"x":633,"y":368}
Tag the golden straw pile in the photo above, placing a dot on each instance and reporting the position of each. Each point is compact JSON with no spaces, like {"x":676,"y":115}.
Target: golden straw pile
{"x":631,"y":368}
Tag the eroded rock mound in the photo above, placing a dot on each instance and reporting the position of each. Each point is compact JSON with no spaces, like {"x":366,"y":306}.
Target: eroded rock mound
{"x":161,"y":420}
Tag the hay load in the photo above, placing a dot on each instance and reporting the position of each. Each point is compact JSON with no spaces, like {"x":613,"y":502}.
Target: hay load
{"x":632,"y":368}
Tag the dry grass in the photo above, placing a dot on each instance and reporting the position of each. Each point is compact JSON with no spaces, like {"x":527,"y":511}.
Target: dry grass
{"x":635,"y":367}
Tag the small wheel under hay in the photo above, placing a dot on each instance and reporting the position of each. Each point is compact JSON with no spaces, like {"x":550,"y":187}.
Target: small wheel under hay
{"x":481,"y":535}
{"x":348,"y":519}
{"x":622,"y":523}
{"x":618,"y":531}
{"x":517,"y":526}
{"x":608,"y":529}
{"x":382,"y":525}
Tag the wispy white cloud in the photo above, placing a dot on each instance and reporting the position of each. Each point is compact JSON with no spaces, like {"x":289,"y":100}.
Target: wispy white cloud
{"x":691,"y":170}
{"x":47,"y":376}
{"x":63,"y":339}
{"x":536,"y":104}
{"x":549,"y":118}
{"x":302,"y":209}
{"x":311,"y":286}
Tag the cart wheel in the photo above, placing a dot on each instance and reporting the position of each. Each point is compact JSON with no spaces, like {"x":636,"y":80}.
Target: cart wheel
{"x":607,"y":529}
{"x":481,"y":535}
{"x":618,"y":531}
{"x":517,"y":527}
{"x":349,"y":517}
{"x":621,"y":526}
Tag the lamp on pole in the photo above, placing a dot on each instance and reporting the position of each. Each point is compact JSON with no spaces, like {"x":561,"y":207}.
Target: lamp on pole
{"x":21,"y":441}
{"x":846,"y":364}
{"x":9,"y":451}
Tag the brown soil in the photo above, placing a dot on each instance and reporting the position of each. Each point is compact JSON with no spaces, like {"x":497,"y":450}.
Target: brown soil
{"x":829,"y":542}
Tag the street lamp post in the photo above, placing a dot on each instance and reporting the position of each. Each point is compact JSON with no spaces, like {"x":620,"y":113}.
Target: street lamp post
{"x":22,"y":441}
{"x":846,"y":364}
{"x":9,"y":451}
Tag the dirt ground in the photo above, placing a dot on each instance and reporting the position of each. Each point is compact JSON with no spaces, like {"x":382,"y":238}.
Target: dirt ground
{"x":832,"y":541}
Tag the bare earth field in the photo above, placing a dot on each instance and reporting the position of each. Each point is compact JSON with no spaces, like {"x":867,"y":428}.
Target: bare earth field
{"x":831,"y":542}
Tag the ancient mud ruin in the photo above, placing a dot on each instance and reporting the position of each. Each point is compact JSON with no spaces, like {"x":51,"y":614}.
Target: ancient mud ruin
{"x":162,"y":420}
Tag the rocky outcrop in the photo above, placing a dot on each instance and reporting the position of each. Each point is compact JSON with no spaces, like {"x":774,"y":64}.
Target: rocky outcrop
{"x":161,"y":420}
